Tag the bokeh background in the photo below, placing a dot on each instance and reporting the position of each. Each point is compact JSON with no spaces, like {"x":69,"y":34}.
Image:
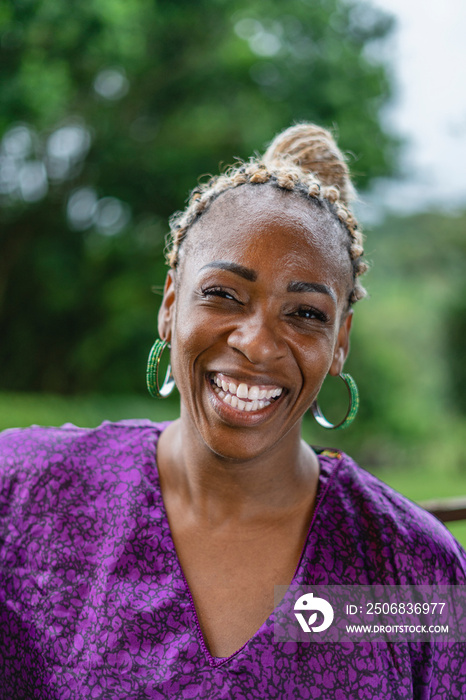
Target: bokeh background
{"x":109,"y":112}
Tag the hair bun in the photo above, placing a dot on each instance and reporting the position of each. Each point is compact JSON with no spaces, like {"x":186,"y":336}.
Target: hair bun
{"x":315,"y":151}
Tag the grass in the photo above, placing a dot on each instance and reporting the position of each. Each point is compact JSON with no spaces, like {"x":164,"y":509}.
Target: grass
{"x":22,"y":410}
{"x":441,"y":478}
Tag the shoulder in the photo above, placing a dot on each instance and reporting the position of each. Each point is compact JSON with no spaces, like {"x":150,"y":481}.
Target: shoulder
{"x":60,"y":471}
{"x":38,"y":435}
{"x":393,"y":531}
{"x":37,"y":448}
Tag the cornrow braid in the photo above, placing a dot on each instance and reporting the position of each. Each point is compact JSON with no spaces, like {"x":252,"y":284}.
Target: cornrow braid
{"x":303,"y":158}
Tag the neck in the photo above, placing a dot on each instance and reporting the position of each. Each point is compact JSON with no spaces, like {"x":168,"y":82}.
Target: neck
{"x":216,"y":488}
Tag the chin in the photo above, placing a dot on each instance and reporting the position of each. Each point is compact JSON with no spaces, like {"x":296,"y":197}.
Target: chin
{"x":241,"y":445}
{"x":237,"y":452}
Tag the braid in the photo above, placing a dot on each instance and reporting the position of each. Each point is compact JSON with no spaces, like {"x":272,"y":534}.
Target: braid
{"x":303,"y":158}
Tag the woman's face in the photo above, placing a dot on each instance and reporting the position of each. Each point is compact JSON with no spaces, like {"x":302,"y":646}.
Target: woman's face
{"x":256,"y":317}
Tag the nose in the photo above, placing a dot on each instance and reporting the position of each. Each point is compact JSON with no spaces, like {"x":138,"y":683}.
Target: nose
{"x":258,"y":339}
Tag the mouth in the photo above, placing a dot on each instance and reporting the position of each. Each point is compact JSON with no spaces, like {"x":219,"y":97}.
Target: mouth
{"x":242,"y":396}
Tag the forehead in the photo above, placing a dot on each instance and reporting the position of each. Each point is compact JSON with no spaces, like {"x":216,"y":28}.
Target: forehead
{"x":256,"y":224}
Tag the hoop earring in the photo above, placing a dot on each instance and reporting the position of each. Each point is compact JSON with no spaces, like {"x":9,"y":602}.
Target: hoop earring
{"x":352,"y":409}
{"x":152,"y":372}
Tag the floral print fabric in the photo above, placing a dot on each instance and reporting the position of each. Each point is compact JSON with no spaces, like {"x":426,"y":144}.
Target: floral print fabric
{"x":93,"y":602}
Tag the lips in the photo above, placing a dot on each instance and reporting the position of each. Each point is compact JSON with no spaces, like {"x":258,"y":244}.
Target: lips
{"x":241,"y":395}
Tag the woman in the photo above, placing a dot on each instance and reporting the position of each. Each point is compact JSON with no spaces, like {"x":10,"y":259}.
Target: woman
{"x":139,"y":560}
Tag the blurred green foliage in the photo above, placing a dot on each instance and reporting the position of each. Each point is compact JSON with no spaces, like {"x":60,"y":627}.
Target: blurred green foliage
{"x":109,"y":111}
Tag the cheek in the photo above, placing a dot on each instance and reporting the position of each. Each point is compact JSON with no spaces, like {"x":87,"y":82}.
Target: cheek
{"x":190,"y":338}
{"x":315,"y":360}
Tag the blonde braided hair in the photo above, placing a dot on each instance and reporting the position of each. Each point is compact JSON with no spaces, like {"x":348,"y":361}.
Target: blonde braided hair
{"x":304,"y":158}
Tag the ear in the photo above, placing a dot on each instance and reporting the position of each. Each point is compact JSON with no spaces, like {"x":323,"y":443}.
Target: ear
{"x":342,"y":345}
{"x":167,"y":310}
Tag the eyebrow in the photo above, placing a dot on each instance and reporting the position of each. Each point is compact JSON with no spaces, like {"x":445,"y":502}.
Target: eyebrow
{"x":311,"y":287}
{"x":251,"y":276}
{"x":240,"y":270}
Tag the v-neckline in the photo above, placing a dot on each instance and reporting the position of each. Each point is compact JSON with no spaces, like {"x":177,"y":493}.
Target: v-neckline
{"x":325,"y":478}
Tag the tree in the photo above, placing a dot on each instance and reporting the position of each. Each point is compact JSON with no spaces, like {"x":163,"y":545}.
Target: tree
{"x":109,"y":111}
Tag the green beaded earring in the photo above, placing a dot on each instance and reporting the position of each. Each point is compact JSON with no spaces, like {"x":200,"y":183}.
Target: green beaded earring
{"x":352,"y":410}
{"x":152,"y":372}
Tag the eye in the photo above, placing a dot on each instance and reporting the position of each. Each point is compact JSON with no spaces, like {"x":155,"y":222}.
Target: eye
{"x":309,"y":313}
{"x":218,"y":292}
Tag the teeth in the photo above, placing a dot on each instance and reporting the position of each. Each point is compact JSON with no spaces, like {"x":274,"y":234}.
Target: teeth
{"x":253,"y":393}
{"x":272,"y":393}
{"x":236,"y":395}
{"x":242,"y":392}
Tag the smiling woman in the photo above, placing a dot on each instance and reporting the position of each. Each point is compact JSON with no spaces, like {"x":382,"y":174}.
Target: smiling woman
{"x":258,"y":302}
{"x":140,"y":559}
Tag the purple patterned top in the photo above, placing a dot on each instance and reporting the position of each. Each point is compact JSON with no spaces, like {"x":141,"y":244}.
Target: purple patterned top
{"x":93,"y":602}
